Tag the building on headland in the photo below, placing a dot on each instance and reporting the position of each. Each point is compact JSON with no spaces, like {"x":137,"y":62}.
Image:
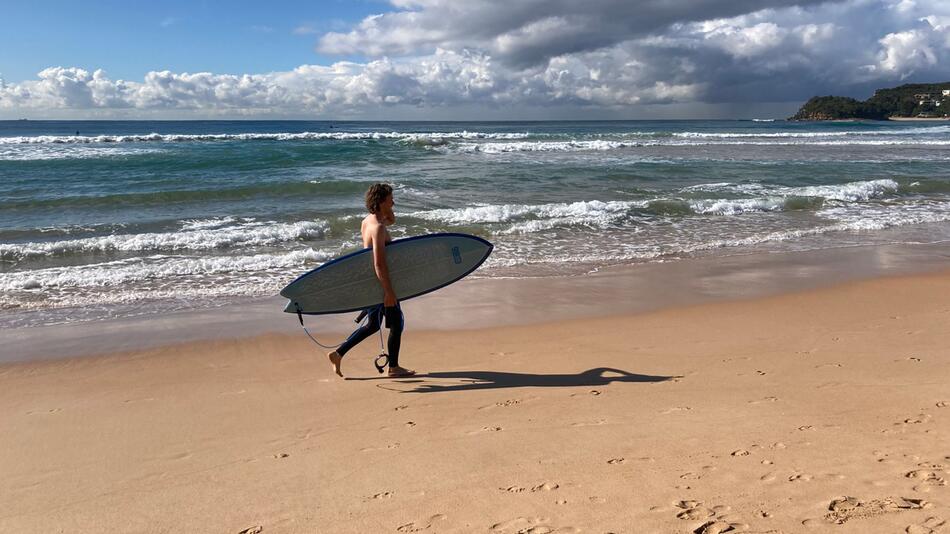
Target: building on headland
{"x":945,"y":92}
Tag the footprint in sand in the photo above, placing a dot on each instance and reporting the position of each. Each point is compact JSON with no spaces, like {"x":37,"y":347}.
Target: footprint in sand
{"x":929,"y":477}
{"x":410,"y":424}
{"x":593,"y":393}
{"x":486,"y":429}
{"x":615,"y":461}
{"x":381,"y":496}
{"x":740,"y":452}
{"x":766,"y":399}
{"x":716,"y":519}
{"x":676,"y":409}
{"x":546,"y":486}
{"x":144,"y":399}
{"x":720,"y":527}
{"x":598,"y":422}
{"x":931,"y":526}
{"x":922,"y":418}
{"x":419,"y":526}
{"x":401,"y":407}
{"x":692,"y":510}
{"x":253,"y":530}
{"x":799,"y":477}
{"x":942,"y":404}
{"x":844,"y":509}
{"x":528,"y":525}
{"x":389,"y":447}
{"x":281,"y":455}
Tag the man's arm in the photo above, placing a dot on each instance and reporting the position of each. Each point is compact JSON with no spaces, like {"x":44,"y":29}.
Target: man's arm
{"x":379,"y":262}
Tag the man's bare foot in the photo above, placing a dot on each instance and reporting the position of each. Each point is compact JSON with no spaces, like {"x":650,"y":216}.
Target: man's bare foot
{"x":399,"y":372}
{"x":335,"y":361}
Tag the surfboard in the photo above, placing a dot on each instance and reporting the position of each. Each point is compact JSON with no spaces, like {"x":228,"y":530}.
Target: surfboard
{"x":417,"y":265}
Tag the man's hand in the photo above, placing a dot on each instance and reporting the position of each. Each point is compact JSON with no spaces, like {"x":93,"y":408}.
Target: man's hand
{"x":389,"y":299}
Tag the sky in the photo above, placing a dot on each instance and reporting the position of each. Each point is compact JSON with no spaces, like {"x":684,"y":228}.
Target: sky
{"x":455,"y":60}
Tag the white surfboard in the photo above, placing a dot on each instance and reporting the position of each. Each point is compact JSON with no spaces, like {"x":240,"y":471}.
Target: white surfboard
{"x":417,"y":265}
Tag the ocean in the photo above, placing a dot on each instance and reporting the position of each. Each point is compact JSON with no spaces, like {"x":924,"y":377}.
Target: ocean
{"x":103,"y":219}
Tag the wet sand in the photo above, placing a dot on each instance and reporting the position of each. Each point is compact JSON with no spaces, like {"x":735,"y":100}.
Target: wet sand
{"x":488,"y":302}
{"x":824,"y":409}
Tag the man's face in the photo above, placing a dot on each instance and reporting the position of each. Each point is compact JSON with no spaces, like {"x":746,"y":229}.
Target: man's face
{"x":386,"y":206}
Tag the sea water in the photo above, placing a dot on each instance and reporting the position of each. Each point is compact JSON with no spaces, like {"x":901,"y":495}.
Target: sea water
{"x":111,"y":219}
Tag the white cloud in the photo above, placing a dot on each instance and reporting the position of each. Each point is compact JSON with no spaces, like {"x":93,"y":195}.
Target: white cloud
{"x":602,"y":54}
{"x":305,"y":29}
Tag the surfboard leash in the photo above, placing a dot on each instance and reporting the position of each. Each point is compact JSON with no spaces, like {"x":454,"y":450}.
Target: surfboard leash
{"x":363,"y":318}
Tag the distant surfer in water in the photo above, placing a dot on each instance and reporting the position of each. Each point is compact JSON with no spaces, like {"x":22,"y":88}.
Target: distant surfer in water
{"x":379,"y":203}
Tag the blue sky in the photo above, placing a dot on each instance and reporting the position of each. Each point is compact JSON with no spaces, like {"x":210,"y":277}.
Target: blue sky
{"x":129,"y":39}
{"x":459,"y":59}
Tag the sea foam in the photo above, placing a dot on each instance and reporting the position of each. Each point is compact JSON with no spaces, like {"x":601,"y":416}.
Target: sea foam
{"x":197,"y":235}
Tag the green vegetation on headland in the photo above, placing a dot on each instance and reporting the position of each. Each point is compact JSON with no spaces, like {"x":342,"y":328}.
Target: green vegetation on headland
{"x":915,"y":100}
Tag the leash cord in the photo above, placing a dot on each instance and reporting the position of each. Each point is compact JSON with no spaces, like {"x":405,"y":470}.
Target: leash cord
{"x":363,"y":321}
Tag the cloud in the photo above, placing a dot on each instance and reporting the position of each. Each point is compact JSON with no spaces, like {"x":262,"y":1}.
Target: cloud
{"x":604,"y":55}
{"x":527,"y":32}
{"x":305,"y":29}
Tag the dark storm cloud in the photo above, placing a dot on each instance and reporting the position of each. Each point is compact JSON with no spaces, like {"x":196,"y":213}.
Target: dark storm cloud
{"x":528,"y":32}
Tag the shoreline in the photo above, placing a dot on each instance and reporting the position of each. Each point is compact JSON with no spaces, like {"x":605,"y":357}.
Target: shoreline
{"x":489,"y":302}
{"x":919,"y":119}
{"x":782,"y":413}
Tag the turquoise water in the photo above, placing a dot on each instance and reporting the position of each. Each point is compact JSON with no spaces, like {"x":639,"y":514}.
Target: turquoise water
{"x":105,"y":219}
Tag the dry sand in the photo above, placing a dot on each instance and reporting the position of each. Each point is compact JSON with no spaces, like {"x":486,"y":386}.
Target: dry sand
{"x":818,"y":411}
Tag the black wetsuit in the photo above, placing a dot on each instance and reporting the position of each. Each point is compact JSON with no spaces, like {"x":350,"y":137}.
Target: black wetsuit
{"x":375,"y":316}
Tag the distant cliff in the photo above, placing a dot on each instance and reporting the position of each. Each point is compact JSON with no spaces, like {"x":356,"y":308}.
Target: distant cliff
{"x":923,"y":100}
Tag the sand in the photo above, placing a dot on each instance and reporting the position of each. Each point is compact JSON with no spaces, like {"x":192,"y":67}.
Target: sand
{"x":824,"y":410}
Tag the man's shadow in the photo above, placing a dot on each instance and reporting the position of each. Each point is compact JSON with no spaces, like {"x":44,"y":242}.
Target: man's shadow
{"x":475,"y":380}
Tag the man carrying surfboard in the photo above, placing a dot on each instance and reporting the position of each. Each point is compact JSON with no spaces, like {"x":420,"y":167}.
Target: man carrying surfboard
{"x":379,"y":203}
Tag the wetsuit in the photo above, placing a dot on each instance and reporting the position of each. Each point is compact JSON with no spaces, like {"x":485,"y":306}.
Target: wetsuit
{"x":375,"y":316}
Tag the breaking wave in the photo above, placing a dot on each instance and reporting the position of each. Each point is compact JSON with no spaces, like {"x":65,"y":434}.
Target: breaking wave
{"x":195,"y":235}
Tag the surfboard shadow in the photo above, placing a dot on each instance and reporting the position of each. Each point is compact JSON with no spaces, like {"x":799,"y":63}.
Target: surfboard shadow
{"x":476,"y":380}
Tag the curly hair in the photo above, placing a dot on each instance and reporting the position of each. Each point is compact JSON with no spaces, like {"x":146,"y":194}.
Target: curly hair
{"x":375,"y":195}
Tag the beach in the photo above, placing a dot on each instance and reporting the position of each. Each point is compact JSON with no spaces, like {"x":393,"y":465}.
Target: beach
{"x":820,"y":407}
{"x":684,"y":326}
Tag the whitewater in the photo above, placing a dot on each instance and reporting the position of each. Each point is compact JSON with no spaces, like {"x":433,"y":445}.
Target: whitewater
{"x":114,"y":218}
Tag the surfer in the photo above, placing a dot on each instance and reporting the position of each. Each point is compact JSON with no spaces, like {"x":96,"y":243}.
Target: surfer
{"x":379,"y":203}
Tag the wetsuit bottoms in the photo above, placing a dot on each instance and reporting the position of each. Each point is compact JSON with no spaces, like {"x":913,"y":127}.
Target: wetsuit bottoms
{"x":375,"y":316}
